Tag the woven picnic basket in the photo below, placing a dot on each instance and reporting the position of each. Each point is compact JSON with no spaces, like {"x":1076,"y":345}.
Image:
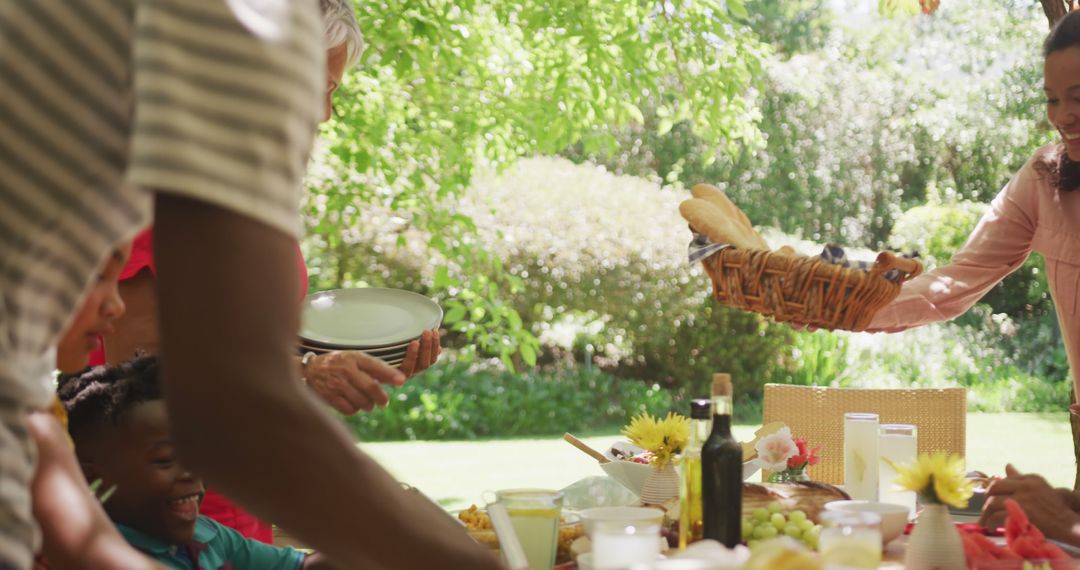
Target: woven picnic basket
{"x":807,"y":290}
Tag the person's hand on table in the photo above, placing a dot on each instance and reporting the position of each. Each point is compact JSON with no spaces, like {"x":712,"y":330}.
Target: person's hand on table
{"x":421,"y":354}
{"x":1048,"y":508}
{"x":351,"y":381}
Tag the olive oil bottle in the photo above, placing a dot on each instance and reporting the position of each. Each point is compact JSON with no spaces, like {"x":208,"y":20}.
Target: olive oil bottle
{"x":721,"y":471}
{"x":690,"y":500}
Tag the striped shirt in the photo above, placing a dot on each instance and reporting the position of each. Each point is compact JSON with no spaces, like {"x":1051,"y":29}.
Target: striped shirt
{"x":101,"y":101}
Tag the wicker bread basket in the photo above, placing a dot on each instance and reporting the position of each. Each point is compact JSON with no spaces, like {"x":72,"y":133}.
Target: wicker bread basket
{"x":806,"y":290}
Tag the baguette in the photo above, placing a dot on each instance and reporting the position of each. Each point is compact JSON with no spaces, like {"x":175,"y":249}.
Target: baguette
{"x":716,"y":196}
{"x":706,"y":218}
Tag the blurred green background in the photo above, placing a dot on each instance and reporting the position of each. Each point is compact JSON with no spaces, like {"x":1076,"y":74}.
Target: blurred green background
{"x":522,"y":163}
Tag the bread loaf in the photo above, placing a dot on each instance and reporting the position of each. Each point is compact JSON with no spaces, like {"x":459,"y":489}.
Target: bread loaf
{"x":716,"y":197}
{"x":706,"y":218}
{"x":807,"y":496}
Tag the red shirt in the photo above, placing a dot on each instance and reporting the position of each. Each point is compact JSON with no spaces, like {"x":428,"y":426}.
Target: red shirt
{"x":214,"y":505}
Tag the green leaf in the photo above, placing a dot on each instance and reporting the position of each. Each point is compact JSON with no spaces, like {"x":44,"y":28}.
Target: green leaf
{"x":528,"y":354}
{"x":633,"y":111}
{"x":737,"y":9}
{"x":442,"y":278}
{"x":455,"y":314}
{"x":664,"y":127}
{"x":514,"y":318}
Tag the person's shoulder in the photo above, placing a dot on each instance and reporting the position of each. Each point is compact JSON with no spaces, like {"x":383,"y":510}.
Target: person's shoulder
{"x":1048,"y":151}
{"x":1039,"y":171}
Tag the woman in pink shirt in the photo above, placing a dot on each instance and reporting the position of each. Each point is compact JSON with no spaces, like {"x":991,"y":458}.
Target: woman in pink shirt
{"x":1038,"y":210}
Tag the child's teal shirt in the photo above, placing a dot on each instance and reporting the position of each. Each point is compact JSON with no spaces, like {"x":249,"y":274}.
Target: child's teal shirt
{"x":215,"y":547}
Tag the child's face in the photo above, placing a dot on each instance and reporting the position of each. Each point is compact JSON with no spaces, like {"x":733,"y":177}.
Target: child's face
{"x":154,"y":493}
{"x":95,"y":316}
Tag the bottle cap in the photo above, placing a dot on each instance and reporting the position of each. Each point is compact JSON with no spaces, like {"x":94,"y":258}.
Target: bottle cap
{"x":700,"y":409}
{"x":721,"y":384}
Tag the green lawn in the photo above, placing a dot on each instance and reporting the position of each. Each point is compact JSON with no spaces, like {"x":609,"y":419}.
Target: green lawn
{"x":457,"y":473}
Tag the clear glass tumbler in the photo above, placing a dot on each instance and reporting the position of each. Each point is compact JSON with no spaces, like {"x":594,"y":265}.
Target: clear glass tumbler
{"x":852,"y":540}
{"x":534,"y":513}
{"x":898,"y":444}
{"x":861,"y":456}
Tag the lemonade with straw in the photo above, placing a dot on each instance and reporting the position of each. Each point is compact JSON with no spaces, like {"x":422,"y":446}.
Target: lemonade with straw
{"x":534,"y":514}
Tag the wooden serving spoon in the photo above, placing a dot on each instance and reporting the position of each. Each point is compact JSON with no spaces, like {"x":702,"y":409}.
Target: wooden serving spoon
{"x":585,"y":448}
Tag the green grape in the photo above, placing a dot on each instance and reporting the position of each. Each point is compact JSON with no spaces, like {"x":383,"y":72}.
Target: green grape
{"x":805,"y":524}
{"x":793,"y":531}
{"x":747,"y":529}
{"x":753,"y":544}
{"x":812,"y":532}
{"x":797,"y":516}
{"x":765,"y":532}
{"x":774,"y":507}
{"x":811,"y":542}
{"x":761,"y":515}
{"x":778,"y":521}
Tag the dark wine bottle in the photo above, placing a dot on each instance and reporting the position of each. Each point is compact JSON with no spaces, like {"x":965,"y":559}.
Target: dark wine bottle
{"x":721,"y":471}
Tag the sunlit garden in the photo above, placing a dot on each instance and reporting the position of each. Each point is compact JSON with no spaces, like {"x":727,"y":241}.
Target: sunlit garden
{"x":538,"y":201}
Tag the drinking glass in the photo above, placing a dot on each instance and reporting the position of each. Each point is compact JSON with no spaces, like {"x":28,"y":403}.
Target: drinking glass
{"x":898,"y":444}
{"x":850,"y":539}
{"x":534,"y":513}
{"x":618,"y":545}
{"x":861,"y":456}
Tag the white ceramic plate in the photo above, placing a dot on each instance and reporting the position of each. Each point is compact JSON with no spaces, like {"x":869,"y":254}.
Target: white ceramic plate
{"x":383,"y":353}
{"x":314,"y":345}
{"x":370,"y":318}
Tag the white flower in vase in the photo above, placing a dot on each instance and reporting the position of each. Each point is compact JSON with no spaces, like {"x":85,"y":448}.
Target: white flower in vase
{"x":774,"y":450}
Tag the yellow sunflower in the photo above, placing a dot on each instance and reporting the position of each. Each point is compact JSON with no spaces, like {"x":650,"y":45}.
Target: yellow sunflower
{"x":664,"y":438}
{"x":938,"y":478}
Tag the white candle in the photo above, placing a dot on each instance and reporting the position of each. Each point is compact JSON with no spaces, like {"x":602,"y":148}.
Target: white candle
{"x":898,"y":444}
{"x":861,"y":456}
{"x":617,"y":547}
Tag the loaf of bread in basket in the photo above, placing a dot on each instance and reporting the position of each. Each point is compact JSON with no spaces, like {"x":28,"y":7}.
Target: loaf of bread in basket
{"x":748,"y":275}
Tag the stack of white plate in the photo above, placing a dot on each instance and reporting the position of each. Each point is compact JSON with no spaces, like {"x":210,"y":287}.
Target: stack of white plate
{"x":380,"y":322}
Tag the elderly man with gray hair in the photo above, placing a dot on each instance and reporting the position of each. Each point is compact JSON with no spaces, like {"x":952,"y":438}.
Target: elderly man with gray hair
{"x":204,"y":112}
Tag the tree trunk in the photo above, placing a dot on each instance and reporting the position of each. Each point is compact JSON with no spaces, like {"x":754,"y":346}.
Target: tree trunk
{"x":1056,"y":9}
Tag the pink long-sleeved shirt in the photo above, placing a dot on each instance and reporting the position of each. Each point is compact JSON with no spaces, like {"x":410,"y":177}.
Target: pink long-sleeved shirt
{"x":1029,"y":214}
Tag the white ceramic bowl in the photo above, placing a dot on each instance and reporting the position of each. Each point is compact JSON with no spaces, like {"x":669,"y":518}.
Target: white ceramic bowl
{"x":894,"y":518}
{"x":633,"y":475}
{"x":629,"y":515}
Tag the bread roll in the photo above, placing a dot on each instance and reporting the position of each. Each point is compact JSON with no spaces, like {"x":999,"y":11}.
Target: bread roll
{"x":716,"y":196}
{"x":706,"y":218}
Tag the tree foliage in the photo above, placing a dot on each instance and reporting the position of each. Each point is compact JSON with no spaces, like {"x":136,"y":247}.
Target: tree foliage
{"x":447,"y":85}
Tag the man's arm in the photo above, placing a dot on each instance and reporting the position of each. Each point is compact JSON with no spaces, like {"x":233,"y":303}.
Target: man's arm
{"x":241,"y":419}
{"x":1047,"y":508}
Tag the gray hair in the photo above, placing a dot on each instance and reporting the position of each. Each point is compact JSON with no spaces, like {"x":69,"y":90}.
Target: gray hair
{"x":341,"y":28}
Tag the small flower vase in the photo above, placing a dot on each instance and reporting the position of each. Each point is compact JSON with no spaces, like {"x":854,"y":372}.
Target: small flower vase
{"x":789,"y":476}
{"x":935,"y":543}
{"x":661,"y":485}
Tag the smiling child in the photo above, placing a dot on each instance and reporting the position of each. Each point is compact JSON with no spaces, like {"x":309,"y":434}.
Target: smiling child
{"x":117,"y":418}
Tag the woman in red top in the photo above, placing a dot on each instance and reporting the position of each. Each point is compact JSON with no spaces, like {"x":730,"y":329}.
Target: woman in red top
{"x":347,"y":381}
